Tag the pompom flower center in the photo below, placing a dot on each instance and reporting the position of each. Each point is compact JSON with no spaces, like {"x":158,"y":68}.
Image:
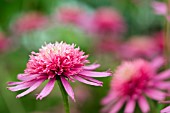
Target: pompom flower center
{"x":56,"y":59}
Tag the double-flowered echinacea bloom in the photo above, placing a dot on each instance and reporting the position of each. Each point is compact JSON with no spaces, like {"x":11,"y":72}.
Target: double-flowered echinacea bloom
{"x":58,"y":61}
{"x":132,"y":82}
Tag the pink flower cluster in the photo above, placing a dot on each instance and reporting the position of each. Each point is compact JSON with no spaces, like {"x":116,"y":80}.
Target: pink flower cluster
{"x":56,"y":61}
{"x":132,"y":81}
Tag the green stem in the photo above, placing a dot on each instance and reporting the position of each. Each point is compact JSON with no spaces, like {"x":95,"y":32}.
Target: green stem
{"x":166,"y":38}
{"x":64,"y":95}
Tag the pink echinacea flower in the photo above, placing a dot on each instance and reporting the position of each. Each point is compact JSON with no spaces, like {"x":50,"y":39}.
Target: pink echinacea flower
{"x":58,"y":60}
{"x":132,"y":82}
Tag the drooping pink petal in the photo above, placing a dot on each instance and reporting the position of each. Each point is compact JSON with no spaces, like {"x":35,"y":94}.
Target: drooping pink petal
{"x":91,"y":79}
{"x":117,"y":105}
{"x":107,"y":108}
{"x":143,"y":104}
{"x":27,"y":77}
{"x":47,"y":89}
{"x":110,"y":98}
{"x":95,"y":74}
{"x":166,"y":110}
{"x":86,"y":81}
{"x":91,"y":67}
{"x":22,"y":86}
{"x":14,"y":83}
{"x":67,"y":87}
{"x":164,"y":85}
{"x":130,"y":106}
{"x":155,"y":94}
{"x":163,"y":75}
{"x":32,"y":88}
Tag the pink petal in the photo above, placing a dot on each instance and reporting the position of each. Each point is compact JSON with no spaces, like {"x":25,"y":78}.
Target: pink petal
{"x":47,"y":89}
{"x":91,"y":79}
{"x":109,"y":98}
{"x":27,"y":77}
{"x":155,"y":94}
{"x":14,"y":83}
{"x":91,"y":67}
{"x":117,"y":106}
{"x":67,"y":87}
{"x":107,"y":107}
{"x":158,"y":62}
{"x":164,"y":85}
{"x":86,"y":81}
{"x":163,"y":75}
{"x":143,"y":104}
{"x":166,"y":110}
{"x":32,"y":88}
{"x":130,"y":106}
{"x":95,"y":74}
{"x":22,"y":86}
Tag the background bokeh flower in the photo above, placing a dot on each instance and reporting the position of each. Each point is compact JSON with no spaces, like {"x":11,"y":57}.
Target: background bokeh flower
{"x":161,"y":8}
{"x":132,"y":82}
{"x":139,"y":47}
{"x":108,"y":21}
{"x":28,"y":22}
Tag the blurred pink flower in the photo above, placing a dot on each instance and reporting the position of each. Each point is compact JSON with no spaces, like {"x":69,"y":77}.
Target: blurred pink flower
{"x":75,"y":15}
{"x":138,"y":46}
{"x":132,"y":81}
{"x":108,"y":21}
{"x":161,"y":8}
{"x":108,"y":45}
{"x":70,"y":14}
{"x":29,"y":21}
{"x":53,"y":61}
{"x":4,"y":42}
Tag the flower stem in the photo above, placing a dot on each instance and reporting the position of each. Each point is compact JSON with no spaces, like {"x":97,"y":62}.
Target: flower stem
{"x":64,"y":95}
{"x":166,"y":37}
